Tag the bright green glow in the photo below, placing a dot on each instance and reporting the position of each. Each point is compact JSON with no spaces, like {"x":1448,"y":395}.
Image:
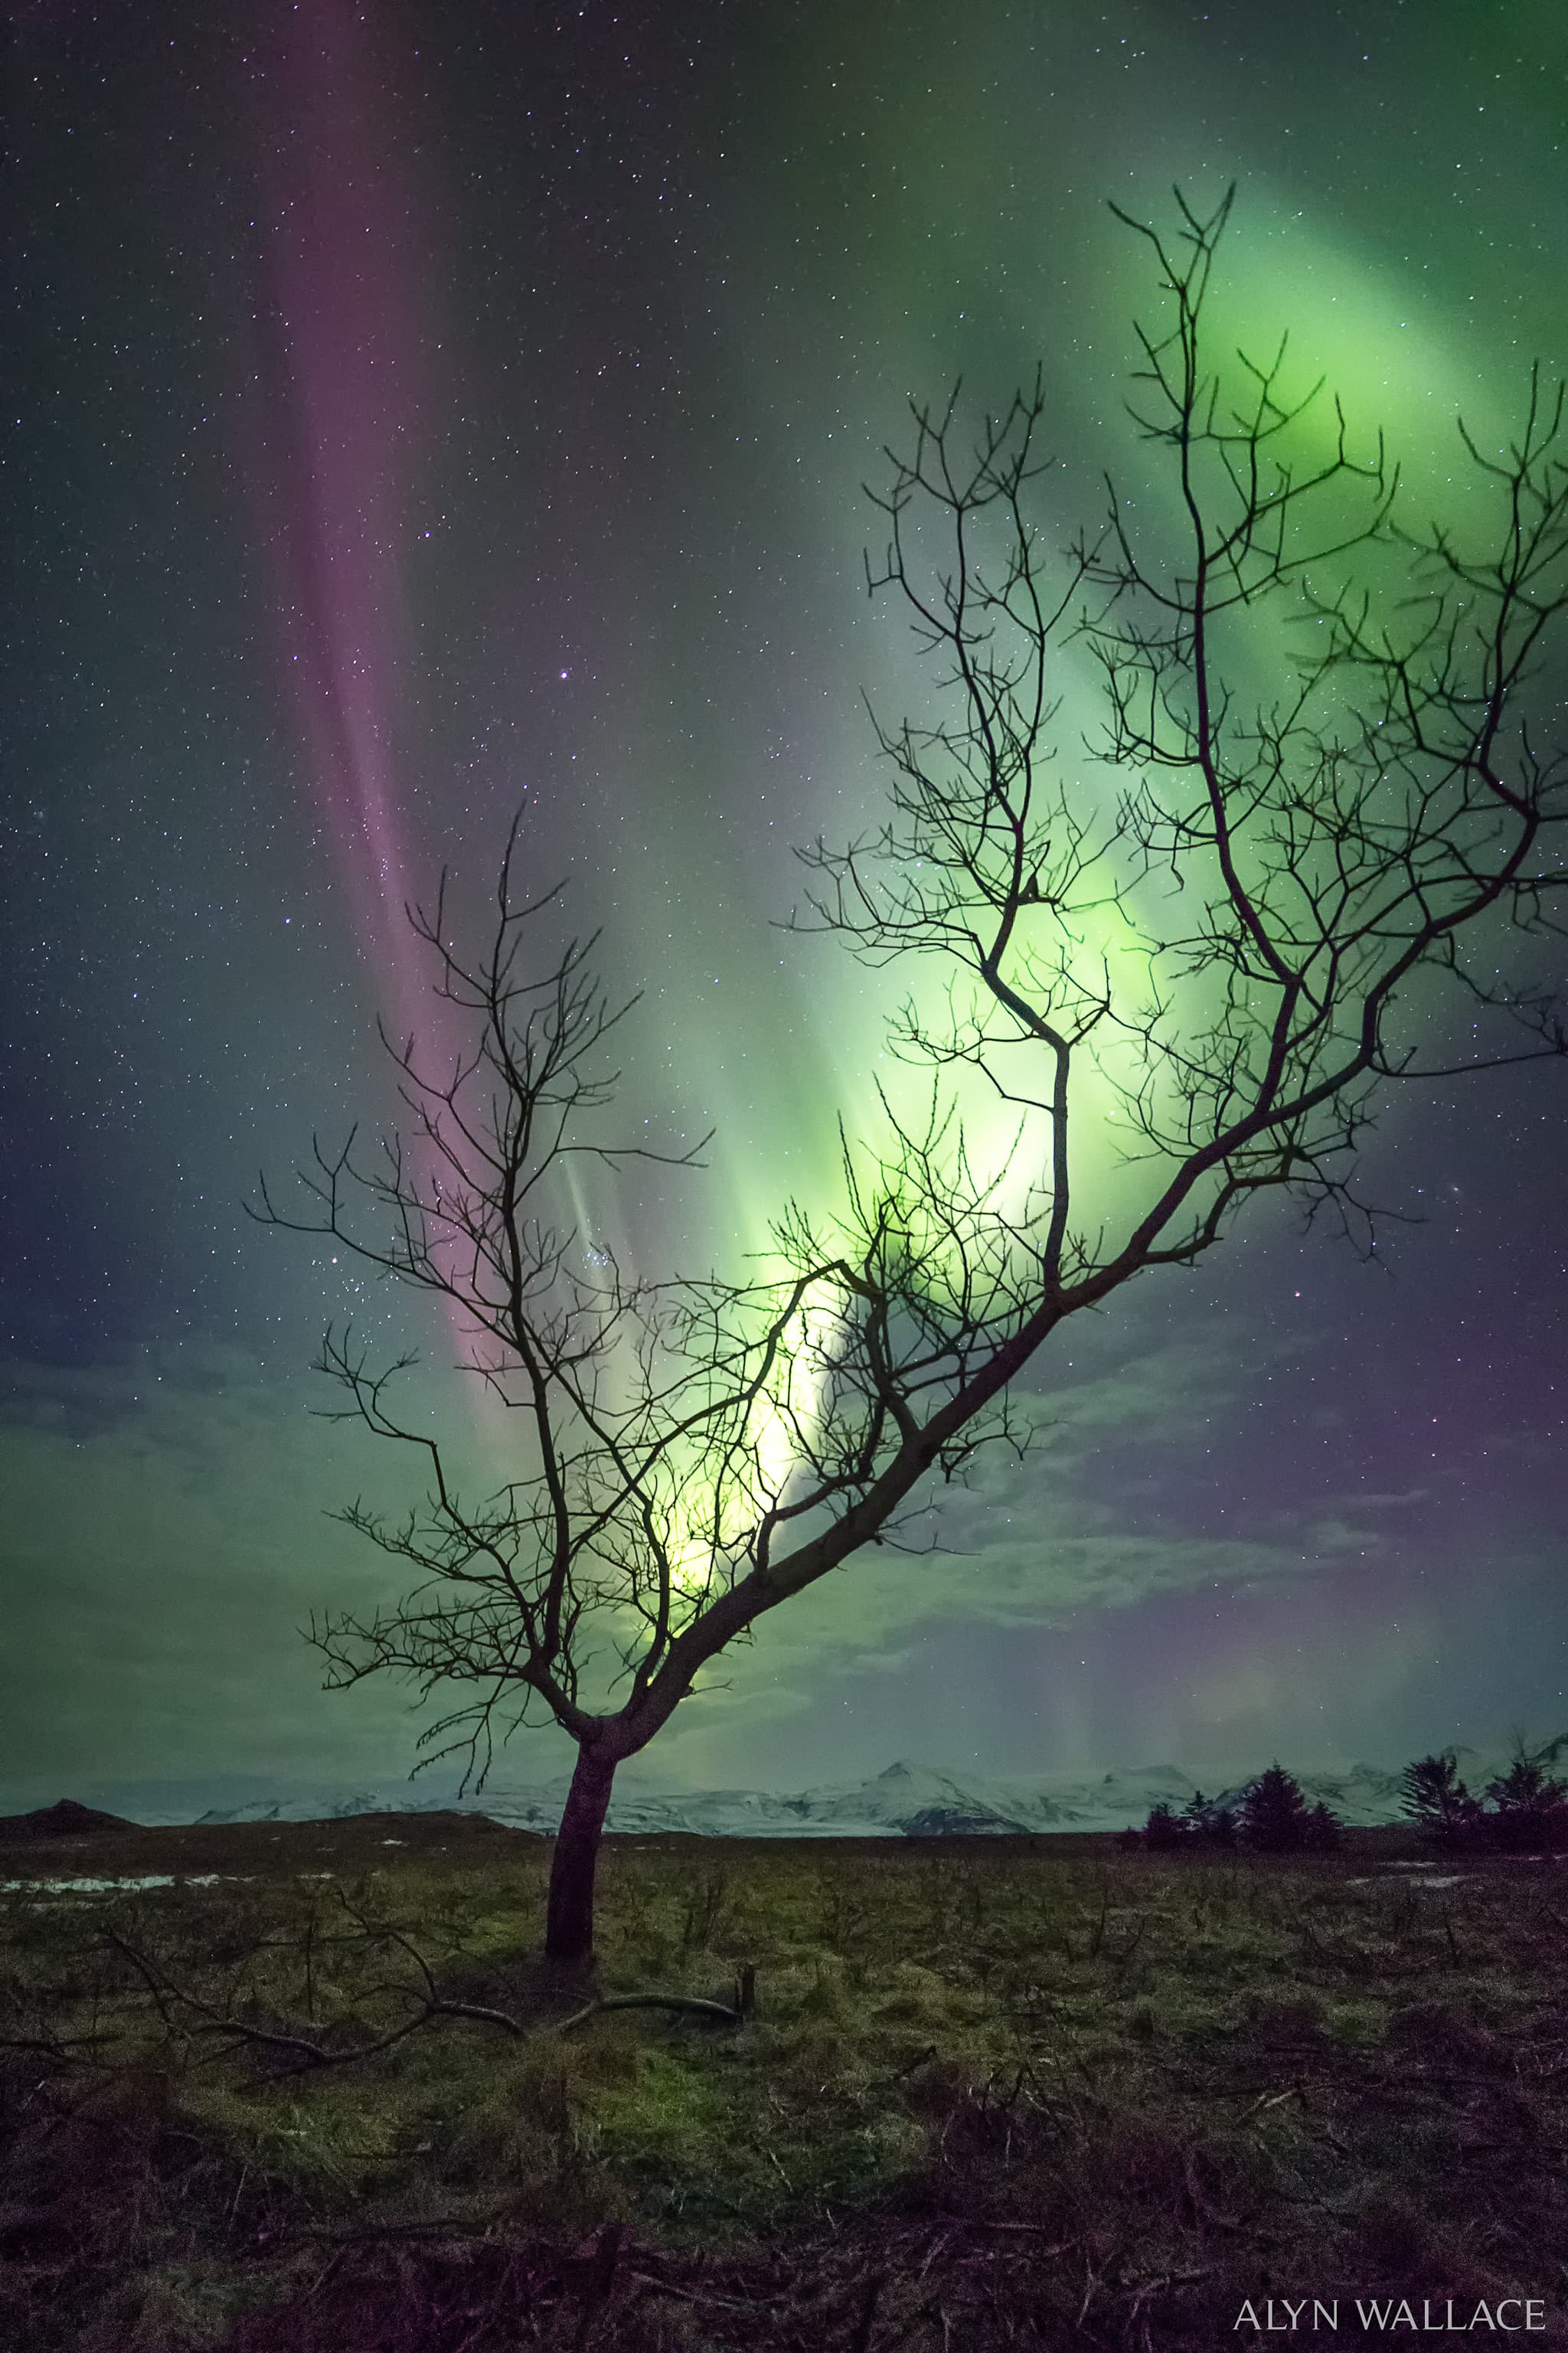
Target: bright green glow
{"x":1395,"y":356}
{"x":983,"y":253}
{"x":775,"y":1058}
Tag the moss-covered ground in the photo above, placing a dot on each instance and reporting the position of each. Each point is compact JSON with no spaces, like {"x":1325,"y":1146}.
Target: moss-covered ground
{"x":992,"y":2092}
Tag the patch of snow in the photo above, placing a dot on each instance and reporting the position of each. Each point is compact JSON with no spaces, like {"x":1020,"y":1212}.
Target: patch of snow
{"x":119,"y":1886}
{"x":1422,"y":1876}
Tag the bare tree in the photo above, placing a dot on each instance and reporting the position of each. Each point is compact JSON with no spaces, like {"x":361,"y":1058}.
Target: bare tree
{"x":1235,"y":927}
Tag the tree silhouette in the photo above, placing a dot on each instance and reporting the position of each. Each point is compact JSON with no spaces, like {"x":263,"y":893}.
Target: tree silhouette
{"x":1275,"y":1817}
{"x":1214,"y":1822}
{"x":1165,"y":1829}
{"x":1324,"y":1829}
{"x":1530,"y":1804}
{"x":1432,"y":1794}
{"x":1214,"y":935}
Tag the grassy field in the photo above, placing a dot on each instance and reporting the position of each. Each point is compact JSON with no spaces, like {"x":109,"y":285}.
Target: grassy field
{"x":992,"y":2092}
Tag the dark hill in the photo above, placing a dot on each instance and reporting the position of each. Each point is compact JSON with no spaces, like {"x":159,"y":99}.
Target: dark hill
{"x":118,"y":1849}
{"x":65,"y":1818}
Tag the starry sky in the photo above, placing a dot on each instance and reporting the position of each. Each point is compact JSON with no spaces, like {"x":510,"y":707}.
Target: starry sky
{"x":414,"y":412}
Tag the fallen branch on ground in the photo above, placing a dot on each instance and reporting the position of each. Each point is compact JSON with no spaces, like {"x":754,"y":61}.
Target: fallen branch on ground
{"x":730,"y":2014}
{"x":687,"y":2001}
{"x":305,"y":2048}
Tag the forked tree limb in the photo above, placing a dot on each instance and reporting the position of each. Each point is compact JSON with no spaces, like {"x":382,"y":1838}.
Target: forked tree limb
{"x":308,"y":2050}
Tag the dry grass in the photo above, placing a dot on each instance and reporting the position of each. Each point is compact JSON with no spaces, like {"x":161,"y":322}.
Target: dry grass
{"x":995,"y":2093}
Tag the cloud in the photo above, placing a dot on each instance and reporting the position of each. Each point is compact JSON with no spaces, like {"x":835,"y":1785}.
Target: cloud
{"x":165,"y":1534}
{"x":1037,"y":1544}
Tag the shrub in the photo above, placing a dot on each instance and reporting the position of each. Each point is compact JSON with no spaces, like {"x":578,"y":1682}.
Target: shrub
{"x":1164,"y":1828}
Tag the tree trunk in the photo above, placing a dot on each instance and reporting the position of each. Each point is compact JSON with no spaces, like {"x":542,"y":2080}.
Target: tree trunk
{"x":568,"y":1928}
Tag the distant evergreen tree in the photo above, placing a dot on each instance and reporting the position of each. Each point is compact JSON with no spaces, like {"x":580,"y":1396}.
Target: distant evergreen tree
{"x":1208,"y":1820}
{"x":1432,"y":1794}
{"x":1323,"y":1827}
{"x":1164,"y":1828}
{"x":1530,"y":1807}
{"x":1275,"y":1817}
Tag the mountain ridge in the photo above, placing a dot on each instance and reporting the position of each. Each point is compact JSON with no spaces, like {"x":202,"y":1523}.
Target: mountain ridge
{"x":905,"y":1798}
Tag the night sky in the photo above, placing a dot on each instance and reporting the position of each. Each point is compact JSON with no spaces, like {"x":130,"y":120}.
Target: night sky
{"x":417,"y":410}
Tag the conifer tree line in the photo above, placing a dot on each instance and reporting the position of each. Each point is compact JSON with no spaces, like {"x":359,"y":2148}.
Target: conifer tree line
{"x":1271,"y":1816}
{"x":1525,"y":1807}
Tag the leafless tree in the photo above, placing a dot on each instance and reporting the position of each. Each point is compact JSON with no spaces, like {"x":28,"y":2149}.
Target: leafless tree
{"x":1231,"y":917}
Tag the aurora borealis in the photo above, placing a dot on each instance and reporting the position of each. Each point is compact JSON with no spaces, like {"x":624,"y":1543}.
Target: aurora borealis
{"x":423,"y":411}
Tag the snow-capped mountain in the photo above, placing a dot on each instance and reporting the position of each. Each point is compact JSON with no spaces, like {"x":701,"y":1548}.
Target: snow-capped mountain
{"x":906,"y":1799}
